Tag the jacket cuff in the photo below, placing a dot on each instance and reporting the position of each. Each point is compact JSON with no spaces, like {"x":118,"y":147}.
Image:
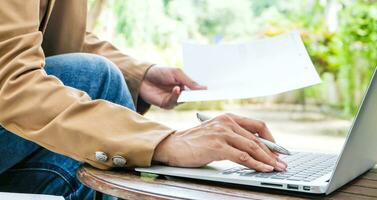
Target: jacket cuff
{"x":142,"y":107}
{"x":134,"y":75}
{"x":139,"y":153}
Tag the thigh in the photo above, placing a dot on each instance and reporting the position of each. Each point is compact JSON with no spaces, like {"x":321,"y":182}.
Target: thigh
{"x":46,"y":172}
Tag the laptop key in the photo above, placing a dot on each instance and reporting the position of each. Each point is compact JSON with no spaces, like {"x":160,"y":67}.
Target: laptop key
{"x":262,"y":175}
{"x":248,"y":174}
{"x":294,"y":179}
{"x":278,"y":177}
{"x":246,"y":171}
{"x":300,"y":176}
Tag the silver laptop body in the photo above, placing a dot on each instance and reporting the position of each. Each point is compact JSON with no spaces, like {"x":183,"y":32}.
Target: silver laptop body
{"x":308,"y":172}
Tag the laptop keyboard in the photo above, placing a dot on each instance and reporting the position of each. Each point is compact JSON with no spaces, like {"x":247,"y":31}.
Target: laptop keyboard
{"x":302,"y":166}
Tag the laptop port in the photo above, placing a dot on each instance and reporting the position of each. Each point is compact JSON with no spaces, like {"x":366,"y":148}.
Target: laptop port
{"x":292,"y":187}
{"x":272,"y":184}
{"x":307,"y":188}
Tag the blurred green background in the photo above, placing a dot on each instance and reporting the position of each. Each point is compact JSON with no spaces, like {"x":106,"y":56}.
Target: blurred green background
{"x":340,"y":35}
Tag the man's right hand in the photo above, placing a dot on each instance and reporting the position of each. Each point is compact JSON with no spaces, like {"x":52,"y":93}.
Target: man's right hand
{"x":226,"y":137}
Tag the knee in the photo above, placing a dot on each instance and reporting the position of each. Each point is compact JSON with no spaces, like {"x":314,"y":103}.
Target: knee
{"x":111,"y":80}
{"x":101,"y":67}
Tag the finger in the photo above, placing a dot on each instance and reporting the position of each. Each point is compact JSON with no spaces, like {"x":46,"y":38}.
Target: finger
{"x":255,"y":151}
{"x":245,"y":159}
{"x":243,"y":132}
{"x":171,"y":100}
{"x":282,"y":161}
{"x":181,"y":77}
{"x":254,"y":126}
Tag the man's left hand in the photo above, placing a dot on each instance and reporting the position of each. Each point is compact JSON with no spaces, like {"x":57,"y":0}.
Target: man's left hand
{"x":163,"y":85}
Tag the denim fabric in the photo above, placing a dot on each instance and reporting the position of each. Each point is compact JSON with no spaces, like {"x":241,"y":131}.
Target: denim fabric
{"x":28,"y":168}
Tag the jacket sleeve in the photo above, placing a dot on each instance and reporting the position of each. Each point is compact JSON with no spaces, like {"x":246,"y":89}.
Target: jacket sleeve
{"x":40,"y":108}
{"x":132,"y":69}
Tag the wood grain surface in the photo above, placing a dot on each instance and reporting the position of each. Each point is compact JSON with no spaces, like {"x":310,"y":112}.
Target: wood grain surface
{"x":130,"y":185}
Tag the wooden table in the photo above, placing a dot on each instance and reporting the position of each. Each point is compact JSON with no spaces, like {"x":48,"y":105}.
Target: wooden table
{"x":130,"y":185}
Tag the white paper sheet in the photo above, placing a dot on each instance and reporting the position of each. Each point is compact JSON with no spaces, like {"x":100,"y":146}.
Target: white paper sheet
{"x":261,"y":68}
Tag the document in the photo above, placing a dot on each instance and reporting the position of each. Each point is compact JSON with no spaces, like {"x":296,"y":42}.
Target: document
{"x":261,"y":68}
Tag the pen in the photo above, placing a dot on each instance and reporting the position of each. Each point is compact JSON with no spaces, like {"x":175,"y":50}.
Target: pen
{"x":272,"y":146}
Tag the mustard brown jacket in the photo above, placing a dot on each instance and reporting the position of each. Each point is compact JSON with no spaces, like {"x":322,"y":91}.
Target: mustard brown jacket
{"x":62,"y":119}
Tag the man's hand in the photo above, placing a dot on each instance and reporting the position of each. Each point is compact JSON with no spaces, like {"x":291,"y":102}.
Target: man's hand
{"x":163,"y":85}
{"x":227,"y":137}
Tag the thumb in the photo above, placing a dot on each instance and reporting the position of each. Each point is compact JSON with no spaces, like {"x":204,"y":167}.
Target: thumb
{"x":170,"y":101}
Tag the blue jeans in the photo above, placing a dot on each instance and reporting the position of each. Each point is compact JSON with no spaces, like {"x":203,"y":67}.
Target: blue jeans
{"x":26,"y":167}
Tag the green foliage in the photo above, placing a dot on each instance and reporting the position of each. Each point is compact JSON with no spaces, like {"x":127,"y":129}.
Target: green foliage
{"x":349,"y":53}
{"x":345,"y":57}
{"x":214,"y":105}
{"x":356,"y":52}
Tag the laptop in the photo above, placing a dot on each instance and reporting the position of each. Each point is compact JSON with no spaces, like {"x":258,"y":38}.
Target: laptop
{"x":308,"y":172}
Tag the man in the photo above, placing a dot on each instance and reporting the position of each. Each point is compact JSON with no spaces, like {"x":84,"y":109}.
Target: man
{"x":66,"y":97}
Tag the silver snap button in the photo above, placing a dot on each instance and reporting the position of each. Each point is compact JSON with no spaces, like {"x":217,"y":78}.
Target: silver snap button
{"x":119,"y":161}
{"x":101,"y":156}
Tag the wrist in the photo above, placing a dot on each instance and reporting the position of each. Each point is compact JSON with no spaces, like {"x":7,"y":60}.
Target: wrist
{"x":161,"y":152}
